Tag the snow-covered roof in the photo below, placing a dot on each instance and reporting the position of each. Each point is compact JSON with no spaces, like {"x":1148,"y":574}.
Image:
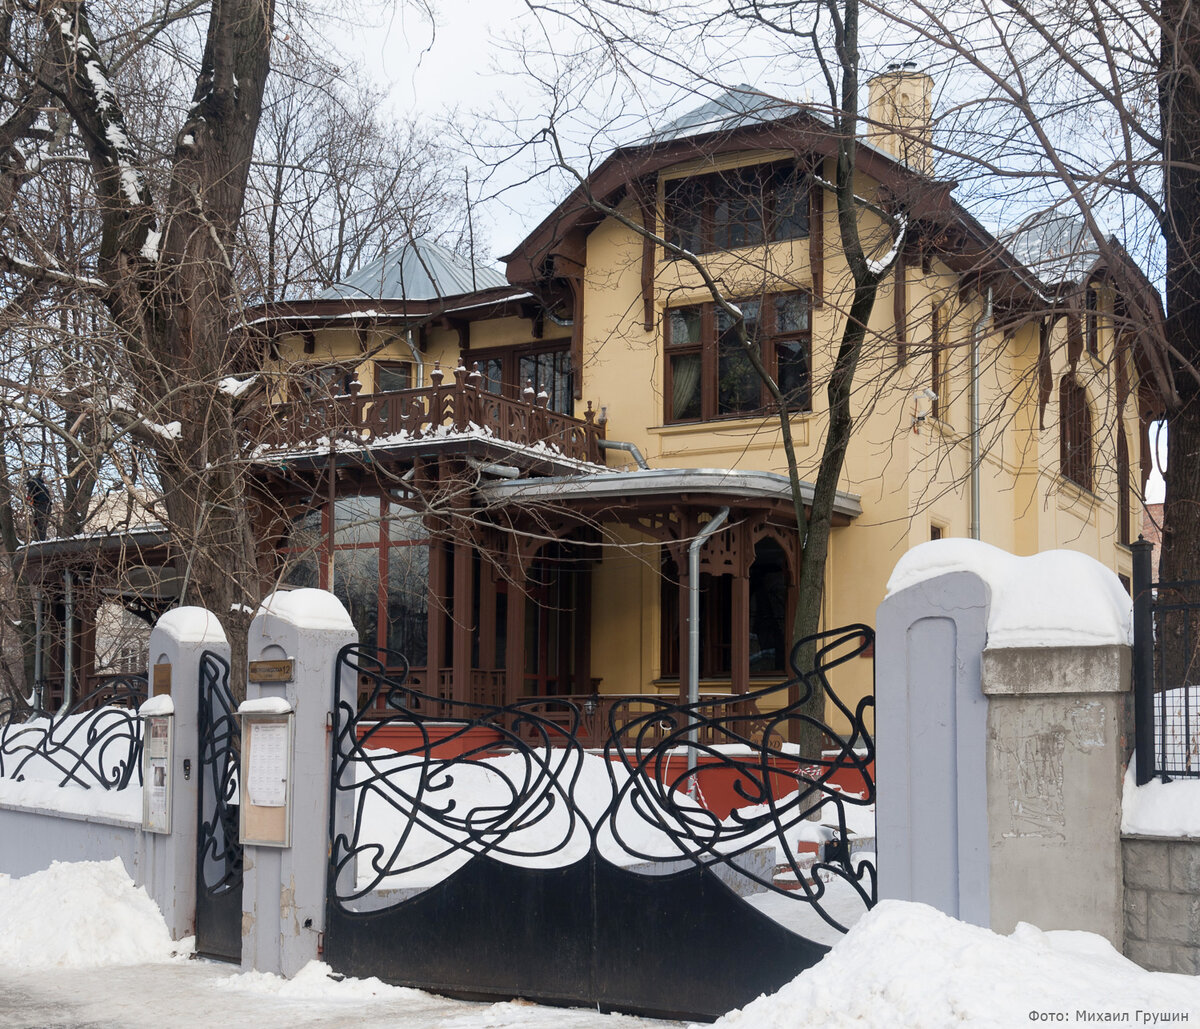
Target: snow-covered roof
{"x":420,"y":270}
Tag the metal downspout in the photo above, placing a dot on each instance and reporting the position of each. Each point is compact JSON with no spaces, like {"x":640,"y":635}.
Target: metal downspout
{"x":693,"y":684}
{"x":976,"y":457}
{"x":68,"y":641}
{"x":419,"y":377}
{"x":628,"y":448}
{"x":35,"y":695}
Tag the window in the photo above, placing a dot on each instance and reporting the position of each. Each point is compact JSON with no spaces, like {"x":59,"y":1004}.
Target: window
{"x":1091,"y":319}
{"x":548,"y":367}
{"x":768,"y":617}
{"x":379,"y":562}
{"x":936,"y":532}
{"x":1075,"y":433}
{"x":391,"y":376}
{"x":939,"y":364}
{"x":710,"y":375}
{"x":331,"y":380}
{"x":741,"y":207}
{"x":1123,"y":528}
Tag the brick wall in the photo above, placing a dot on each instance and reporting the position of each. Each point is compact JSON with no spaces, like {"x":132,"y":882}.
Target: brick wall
{"x":1162,"y":903}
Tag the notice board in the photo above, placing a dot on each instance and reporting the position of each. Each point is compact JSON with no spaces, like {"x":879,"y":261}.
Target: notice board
{"x":266,"y":786}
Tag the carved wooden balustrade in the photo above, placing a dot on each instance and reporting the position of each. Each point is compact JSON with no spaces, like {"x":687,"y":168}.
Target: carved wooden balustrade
{"x":460,"y":407}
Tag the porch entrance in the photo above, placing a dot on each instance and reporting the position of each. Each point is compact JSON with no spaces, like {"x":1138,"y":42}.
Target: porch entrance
{"x":219,"y":851}
{"x":483,"y":851}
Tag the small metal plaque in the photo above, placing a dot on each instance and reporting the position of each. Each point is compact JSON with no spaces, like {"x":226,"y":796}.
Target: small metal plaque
{"x":272,"y":671}
{"x":162,"y":680}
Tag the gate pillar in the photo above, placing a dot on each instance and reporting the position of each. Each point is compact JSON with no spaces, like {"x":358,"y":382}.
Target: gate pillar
{"x":283,"y":901}
{"x":177,"y":641}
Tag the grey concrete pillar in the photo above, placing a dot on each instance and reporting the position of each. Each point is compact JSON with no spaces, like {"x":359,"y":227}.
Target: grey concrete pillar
{"x":931,"y":728}
{"x":177,"y":641}
{"x":1056,"y":756}
{"x":283,"y":894}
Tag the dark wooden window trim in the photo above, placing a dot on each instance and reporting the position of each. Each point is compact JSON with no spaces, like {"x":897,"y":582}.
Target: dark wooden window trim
{"x":1075,"y":433}
{"x":510,"y":364}
{"x":939,"y":364}
{"x":1091,"y":319}
{"x":708,"y":349}
{"x":403,"y":367}
{"x":703,"y":213}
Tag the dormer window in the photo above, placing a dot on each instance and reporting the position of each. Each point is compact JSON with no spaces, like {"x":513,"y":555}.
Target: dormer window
{"x":741,"y":207}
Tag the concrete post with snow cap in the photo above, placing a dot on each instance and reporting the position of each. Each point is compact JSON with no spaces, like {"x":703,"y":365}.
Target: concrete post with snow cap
{"x":178,"y":641}
{"x":1022,"y":735}
{"x":283,"y":893}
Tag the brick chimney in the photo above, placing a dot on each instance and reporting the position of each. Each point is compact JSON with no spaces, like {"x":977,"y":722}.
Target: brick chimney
{"x":901,"y":115}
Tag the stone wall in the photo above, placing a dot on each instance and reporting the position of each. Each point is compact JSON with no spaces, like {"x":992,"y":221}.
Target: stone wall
{"x":1162,"y":903}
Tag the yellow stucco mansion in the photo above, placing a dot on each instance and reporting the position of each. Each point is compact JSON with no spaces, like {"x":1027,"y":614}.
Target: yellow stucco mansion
{"x":520,"y":461}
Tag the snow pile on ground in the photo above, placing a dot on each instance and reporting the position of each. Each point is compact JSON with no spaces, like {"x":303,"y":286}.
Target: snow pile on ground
{"x":1054,"y":599}
{"x":1160,"y":808}
{"x":80,"y":915}
{"x":316,"y":981}
{"x":908,"y":965}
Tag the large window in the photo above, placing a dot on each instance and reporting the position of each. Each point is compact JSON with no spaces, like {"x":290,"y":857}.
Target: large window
{"x":768,"y":617}
{"x":377,"y":560}
{"x":709,"y":373}
{"x":741,"y":207}
{"x":546,"y":367}
{"x":1075,"y":432}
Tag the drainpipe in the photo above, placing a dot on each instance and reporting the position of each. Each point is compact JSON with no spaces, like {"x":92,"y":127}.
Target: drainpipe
{"x":693,"y":685}
{"x":976,"y":336}
{"x":68,"y":641}
{"x":419,"y":376}
{"x":629,"y":448}
{"x":35,"y":696}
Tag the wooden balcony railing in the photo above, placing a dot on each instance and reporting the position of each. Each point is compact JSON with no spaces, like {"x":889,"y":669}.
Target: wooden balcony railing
{"x":437,"y":410}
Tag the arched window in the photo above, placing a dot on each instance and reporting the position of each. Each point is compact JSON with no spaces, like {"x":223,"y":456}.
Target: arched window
{"x":1075,"y":433}
{"x":1123,"y":531}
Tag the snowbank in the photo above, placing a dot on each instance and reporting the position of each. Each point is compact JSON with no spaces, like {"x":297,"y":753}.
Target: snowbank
{"x":1160,"y":808}
{"x":909,"y":965}
{"x":1054,"y":599}
{"x":85,"y":914}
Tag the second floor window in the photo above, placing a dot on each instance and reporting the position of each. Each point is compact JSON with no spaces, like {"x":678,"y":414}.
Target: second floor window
{"x":710,"y":375}
{"x":741,"y":207}
{"x":1075,"y":433}
{"x":547,"y":368}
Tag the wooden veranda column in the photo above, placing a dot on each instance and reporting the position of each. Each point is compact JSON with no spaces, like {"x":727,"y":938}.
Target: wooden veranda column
{"x":437,"y":616}
{"x":463,"y":629}
{"x":739,"y":656}
{"x":514,"y":647}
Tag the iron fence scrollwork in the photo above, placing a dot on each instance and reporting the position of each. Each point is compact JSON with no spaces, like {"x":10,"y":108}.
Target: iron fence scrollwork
{"x":96,"y":743}
{"x":431,"y":795}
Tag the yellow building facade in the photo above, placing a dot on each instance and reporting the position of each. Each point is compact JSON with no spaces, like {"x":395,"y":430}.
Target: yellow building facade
{"x":997,"y":395}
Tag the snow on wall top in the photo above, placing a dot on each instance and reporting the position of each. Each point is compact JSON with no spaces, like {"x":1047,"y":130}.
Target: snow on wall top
{"x":1058,"y":598}
{"x":192,"y":625}
{"x":307,"y":609}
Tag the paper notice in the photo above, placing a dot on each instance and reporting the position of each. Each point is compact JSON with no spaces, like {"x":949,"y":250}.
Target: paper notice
{"x":267,"y":780}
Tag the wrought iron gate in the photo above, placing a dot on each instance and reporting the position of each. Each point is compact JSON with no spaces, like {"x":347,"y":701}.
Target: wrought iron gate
{"x":219,"y":851}
{"x":480,"y":851}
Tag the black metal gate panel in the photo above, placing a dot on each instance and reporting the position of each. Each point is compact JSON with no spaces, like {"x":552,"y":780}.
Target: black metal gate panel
{"x":480,"y":851}
{"x":219,"y":851}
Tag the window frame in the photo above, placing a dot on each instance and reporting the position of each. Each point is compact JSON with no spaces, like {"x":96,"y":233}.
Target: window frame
{"x":510,"y":359}
{"x":709,"y":347}
{"x":939,"y":364}
{"x":701,"y":195}
{"x":1075,"y":444}
{"x":392,"y":366}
